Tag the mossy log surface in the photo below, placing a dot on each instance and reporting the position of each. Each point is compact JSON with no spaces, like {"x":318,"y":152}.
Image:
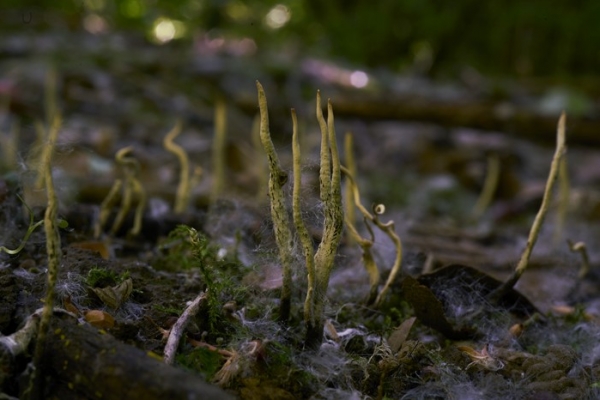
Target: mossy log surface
{"x":83,"y":363}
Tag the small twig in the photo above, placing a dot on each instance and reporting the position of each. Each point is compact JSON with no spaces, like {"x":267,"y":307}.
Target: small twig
{"x":179,"y":327}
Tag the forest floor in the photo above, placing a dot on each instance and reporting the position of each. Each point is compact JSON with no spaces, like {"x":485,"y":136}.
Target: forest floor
{"x":115,"y":91}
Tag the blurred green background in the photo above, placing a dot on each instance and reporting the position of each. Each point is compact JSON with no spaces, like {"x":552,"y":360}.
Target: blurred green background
{"x":547,"y":39}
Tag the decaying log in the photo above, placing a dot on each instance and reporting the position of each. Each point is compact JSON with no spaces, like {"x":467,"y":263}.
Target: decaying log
{"x":485,"y":115}
{"x":473,"y":114}
{"x":82,"y":363}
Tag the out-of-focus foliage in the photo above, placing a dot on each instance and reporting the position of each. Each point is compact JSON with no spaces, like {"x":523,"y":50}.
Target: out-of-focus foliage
{"x":524,"y":38}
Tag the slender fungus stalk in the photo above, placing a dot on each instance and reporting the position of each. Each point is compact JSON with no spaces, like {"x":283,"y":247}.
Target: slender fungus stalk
{"x":320,"y":265}
{"x":489,"y":186}
{"x":388,"y":228}
{"x":9,"y":147}
{"x":127,"y":163}
{"x":140,"y":194}
{"x":539,"y":218}
{"x":50,"y":95}
{"x":47,"y":149}
{"x":182,"y":197}
{"x":261,"y":165}
{"x":325,"y":170}
{"x":277,"y":178}
{"x":350,"y":163}
{"x":367,"y":258}
{"x":132,"y":189}
{"x":54,"y":254}
{"x":331,"y":195}
{"x":106,"y":206}
{"x":305,"y":238}
{"x":563,"y":199}
{"x":585,"y":260}
{"x":218,"y":149}
{"x":32,"y":227}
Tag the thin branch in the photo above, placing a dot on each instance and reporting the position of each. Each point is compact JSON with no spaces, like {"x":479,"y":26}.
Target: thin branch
{"x":179,"y":328}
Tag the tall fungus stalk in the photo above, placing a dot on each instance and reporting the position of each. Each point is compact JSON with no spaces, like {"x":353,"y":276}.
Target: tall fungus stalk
{"x":319,"y":264}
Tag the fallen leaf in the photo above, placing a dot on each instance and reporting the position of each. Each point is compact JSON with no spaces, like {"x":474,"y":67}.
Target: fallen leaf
{"x":116,"y":295}
{"x":96,"y":246}
{"x":398,"y":337}
{"x":330,"y":331}
{"x":482,"y":358}
{"x":100,"y":319}
{"x":70,"y":307}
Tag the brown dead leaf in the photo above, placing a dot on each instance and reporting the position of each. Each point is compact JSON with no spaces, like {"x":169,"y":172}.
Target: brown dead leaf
{"x":100,"y":319}
{"x":330,"y":331}
{"x":516,"y":330}
{"x":482,"y":358}
{"x":398,"y":337}
{"x":204,"y":345}
{"x":96,"y":246}
{"x":70,"y":307}
{"x":116,"y":295}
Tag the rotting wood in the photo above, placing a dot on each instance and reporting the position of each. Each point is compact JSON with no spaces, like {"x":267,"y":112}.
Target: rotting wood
{"x":483,"y":115}
{"x":90,"y":365}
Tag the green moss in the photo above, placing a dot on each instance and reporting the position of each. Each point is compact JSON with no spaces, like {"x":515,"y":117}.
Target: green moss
{"x":281,"y":368}
{"x":188,"y":249}
{"x":185,"y":249}
{"x":201,"y":360}
{"x":167,"y":309}
{"x":102,"y":277}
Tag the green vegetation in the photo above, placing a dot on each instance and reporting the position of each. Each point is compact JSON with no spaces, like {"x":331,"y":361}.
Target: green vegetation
{"x":102,"y":277}
{"x":201,"y":359}
{"x":167,"y":310}
{"x":425,"y":35}
{"x":194,"y":250}
{"x":61,"y":223}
